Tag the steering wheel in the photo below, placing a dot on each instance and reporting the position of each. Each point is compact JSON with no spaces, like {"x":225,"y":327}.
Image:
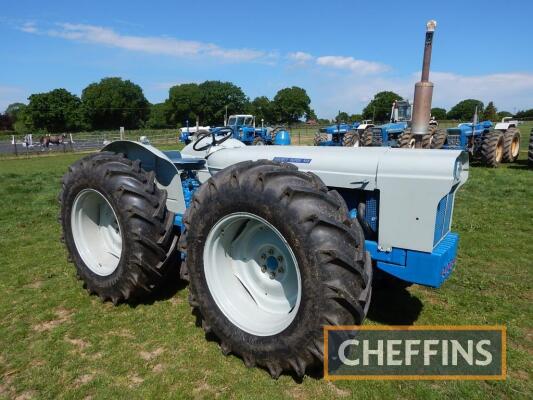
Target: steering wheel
{"x":225,"y":133}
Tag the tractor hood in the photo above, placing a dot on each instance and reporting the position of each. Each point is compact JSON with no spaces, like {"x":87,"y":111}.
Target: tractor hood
{"x":411,"y":182}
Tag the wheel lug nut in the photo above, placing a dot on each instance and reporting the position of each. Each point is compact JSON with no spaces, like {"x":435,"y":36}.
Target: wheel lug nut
{"x":272,"y":275}
{"x":263,"y":268}
{"x":263,"y":256}
{"x":281,"y":270}
{"x":270,"y":251}
{"x":280,"y":258}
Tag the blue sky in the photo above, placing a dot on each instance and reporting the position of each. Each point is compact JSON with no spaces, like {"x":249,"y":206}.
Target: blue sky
{"x":341,"y":52}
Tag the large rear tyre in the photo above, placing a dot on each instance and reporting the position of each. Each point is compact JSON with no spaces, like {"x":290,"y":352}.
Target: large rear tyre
{"x":351,"y":139}
{"x":492,"y":149}
{"x":366,"y":137}
{"x":511,"y":145}
{"x":116,"y":227}
{"x":406,"y":140}
{"x":265,"y":279}
{"x":320,"y":138}
{"x":439,"y":138}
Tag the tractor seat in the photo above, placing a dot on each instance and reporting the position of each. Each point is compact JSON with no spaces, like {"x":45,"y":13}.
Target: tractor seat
{"x":184,"y":163}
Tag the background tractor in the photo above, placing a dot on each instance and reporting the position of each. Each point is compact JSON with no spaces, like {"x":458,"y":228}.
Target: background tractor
{"x":365,"y":132}
{"x":340,"y":134}
{"x":243,"y":128}
{"x":492,"y":145}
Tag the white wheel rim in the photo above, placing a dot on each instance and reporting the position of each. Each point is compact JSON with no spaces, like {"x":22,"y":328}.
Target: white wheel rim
{"x":252,"y":274}
{"x":96,"y":232}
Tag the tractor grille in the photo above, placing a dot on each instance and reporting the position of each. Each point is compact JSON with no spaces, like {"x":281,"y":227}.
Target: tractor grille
{"x":376,"y":136}
{"x":444,"y":217}
{"x":371,"y":211}
{"x":453,"y":140}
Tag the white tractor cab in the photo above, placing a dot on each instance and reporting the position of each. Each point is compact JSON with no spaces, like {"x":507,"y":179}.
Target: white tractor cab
{"x":506,"y":123}
{"x":240,"y":120}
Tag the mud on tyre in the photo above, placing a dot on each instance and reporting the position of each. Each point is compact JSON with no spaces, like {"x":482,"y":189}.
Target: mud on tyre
{"x":116,"y":227}
{"x":266,"y":212}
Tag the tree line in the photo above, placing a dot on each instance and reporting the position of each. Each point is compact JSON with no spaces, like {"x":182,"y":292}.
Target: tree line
{"x":114,"y":102}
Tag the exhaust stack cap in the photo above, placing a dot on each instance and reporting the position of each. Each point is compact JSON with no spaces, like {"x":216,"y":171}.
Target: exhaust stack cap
{"x":431,"y":25}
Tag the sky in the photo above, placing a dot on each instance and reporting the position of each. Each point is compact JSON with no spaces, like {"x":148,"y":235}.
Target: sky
{"x":341,"y":52}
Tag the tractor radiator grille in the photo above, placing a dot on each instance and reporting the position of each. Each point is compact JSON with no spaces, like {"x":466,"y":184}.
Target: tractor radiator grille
{"x":371,"y":211}
{"x":444,"y":217}
{"x":453,"y":140}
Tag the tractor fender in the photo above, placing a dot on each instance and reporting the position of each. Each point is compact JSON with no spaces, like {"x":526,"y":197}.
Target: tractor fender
{"x":167,"y":175}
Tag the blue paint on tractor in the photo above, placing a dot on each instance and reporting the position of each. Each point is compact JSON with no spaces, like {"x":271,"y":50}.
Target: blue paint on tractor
{"x":292,"y":160}
{"x":283,"y":138}
{"x":272,"y":263}
{"x":429,"y":269}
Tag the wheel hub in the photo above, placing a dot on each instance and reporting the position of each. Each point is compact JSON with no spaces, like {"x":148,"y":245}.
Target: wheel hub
{"x":252,"y":274}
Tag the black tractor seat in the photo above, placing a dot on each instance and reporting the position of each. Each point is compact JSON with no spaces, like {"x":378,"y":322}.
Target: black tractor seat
{"x":184,"y":163}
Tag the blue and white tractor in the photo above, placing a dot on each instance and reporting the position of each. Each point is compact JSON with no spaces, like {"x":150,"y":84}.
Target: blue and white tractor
{"x":492,"y":145}
{"x":243,"y":128}
{"x":341,"y":134}
{"x":275,"y":242}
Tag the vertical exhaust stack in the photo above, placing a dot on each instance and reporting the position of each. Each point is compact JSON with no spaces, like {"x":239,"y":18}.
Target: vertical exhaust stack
{"x":423,"y":89}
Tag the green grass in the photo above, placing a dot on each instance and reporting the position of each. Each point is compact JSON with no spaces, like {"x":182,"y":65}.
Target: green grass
{"x":56,"y":341}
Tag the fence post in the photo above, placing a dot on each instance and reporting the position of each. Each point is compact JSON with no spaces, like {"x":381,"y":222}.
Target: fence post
{"x":14,"y":144}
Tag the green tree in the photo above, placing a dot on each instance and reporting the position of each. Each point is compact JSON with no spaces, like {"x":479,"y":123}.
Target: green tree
{"x":261,"y":107}
{"x":216,"y":96}
{"x":158,"y":118}
{"x":291,"y":104}
{"x":14,"y":110}
{"x":464,"y":110}
{"x":490,"y":112}
{"x":438,"y":113}
{"x":355,"y":118}
{"x":54,"y":111}
{"x":525,"y":113}
{"x":184,"y":102}
{"x":502,"y":114}
{"x":342,"y":116}
{"x":380,"y":106}
{"x":113,"y":102}
{"x":311,"y":115}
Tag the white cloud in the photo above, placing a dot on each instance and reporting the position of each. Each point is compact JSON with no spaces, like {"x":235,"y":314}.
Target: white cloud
{"x":28,"y":27}
{"x":509,"y":91}
{"x":300,"y":57}
{"x":150,"y":44}
{"x":350,"y":63}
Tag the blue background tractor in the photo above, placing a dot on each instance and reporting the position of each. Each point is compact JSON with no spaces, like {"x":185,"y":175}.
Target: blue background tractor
{"x":341,"y":134}
{"x":482,"y":141}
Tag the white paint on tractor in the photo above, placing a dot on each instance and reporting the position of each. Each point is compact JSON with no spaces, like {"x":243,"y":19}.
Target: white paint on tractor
{"x":96,"y":232}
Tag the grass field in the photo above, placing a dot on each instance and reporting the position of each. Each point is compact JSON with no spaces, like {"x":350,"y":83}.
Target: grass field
{"x":56,"y":341}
